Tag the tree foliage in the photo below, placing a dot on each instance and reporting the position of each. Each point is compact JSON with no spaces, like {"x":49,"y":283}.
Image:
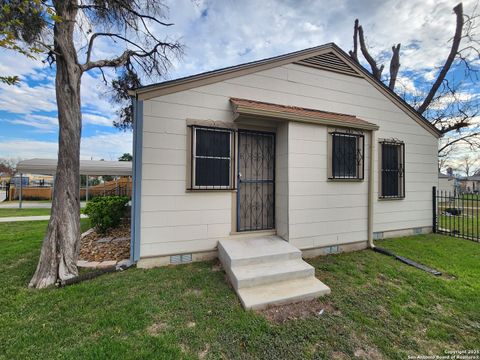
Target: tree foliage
{"x":126,"y":81}
{"x":72,"y":36}
{"x":126,"y":157}
{"x":106,"y":212}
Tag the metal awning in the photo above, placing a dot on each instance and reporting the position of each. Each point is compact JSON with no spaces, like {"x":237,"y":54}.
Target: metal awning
{"x":247,"y":109}
{"x":87,"y":167}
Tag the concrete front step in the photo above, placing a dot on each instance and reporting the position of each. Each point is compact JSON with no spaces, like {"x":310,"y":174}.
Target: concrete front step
{"x":239,"y":252}
{"x":270,"y":272}
{"x":267,"y":270}
{"x":284,"y":292}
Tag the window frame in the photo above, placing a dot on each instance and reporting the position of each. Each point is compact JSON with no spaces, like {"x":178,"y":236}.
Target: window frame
{"x":360,"y":150}
{"x":193,"y":159}
{"x":401,"y":172}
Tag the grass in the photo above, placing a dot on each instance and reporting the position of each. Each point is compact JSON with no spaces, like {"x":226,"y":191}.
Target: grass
{"x":467,"y":226}
{"x":473,"y":197}
{"x":9,"y":212}
{"x":379,"y":308}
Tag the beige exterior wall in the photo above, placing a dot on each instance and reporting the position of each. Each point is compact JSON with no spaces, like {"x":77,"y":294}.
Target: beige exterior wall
{"x":446,"y":185}
{"x":319,"y":213}
{"x":322,"y":212}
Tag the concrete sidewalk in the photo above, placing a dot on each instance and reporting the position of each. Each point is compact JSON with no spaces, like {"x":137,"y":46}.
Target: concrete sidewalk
{"x":31,"y":205}
{"x":30,"y":218}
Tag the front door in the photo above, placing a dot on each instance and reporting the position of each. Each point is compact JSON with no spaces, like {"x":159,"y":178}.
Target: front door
{"x":256,"y":181}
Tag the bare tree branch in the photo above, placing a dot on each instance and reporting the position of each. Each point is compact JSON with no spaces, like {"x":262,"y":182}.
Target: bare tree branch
{"x":128,"y":55}
{"x":376,"y":71}
{"x":451,"y":57}
{"x":354,"y":53}
{"x":394,"y":66}
{"x":127,"y":8}
{"x":111,"y":35}
{"x":463,"y":138}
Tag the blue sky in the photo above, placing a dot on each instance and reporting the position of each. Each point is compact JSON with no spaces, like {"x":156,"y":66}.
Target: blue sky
{"x":218,"y":34}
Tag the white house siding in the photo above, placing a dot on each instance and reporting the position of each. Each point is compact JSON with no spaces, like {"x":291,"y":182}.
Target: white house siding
{"x":322,"y":212}
{"x":446,"y":184}
{"x":174,"y":221}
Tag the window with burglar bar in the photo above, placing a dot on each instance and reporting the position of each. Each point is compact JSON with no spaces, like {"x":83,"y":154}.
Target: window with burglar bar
{"x":392,"y":160}
{"x":211,"y":158}
{"x":347,"y":151}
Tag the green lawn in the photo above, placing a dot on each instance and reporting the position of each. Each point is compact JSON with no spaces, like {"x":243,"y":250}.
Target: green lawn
{"x":23,"y":212}
{"x":473,"y":197}
{"x":468,"y":226}
{"x":379,"y":308}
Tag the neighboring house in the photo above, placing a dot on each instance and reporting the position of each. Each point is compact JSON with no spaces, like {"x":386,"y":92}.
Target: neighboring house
{"x":470,"y":184}
{"x":306,"y":145}
{"x":446,"y":184}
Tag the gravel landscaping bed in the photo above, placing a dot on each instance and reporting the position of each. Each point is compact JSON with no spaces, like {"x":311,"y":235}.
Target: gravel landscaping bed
{"x":114,"y":245}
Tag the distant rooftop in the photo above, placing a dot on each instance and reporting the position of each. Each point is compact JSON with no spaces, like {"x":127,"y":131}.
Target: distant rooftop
{"x":87,"y":167}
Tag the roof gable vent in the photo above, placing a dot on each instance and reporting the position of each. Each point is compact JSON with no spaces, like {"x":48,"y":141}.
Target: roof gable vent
{"x":329,"y":61}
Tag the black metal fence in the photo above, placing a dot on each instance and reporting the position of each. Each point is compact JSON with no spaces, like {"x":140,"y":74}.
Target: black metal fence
{"x":456,"y":214}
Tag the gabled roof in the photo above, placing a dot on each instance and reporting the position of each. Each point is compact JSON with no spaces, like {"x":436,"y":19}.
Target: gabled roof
{"x":444,"y":176}
{"x":264,"y":109}
{"x":327,"y":57}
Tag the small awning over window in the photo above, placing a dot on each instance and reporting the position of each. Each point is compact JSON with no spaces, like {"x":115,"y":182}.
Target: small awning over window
{"x":244,"y":108}
{"x":87,"y":167}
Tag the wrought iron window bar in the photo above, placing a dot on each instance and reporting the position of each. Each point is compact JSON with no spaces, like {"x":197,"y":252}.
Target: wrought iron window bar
{"x":214,"y":175}
{"x":348,"y":149}
{"x":392,"y":171}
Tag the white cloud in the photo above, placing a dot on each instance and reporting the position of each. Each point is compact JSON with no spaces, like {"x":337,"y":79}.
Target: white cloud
{"x":444,"y":101}
{"x":26,"y":148}
{"x":94,"y":119}
{"x":25,"y":99}
{"x":105,"y":146}
{"x":222,"y":33}
{"x":40,"y":122}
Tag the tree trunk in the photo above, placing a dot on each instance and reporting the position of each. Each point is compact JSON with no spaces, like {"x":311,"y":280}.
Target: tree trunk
{"x":61,"y":243}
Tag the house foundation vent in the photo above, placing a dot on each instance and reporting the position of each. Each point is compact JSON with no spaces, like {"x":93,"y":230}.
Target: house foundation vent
{"x":377,"y":235}
{"x":332,"y":249}
{"x":418,"y":230}
{"x":180,"y":259}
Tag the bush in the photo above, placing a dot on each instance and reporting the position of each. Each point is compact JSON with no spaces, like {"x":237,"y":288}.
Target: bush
{"x":106,"y":212}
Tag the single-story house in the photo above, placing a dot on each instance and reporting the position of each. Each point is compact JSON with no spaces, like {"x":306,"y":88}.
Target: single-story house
{"x":307,"y":148}
{"x":470,"y":184}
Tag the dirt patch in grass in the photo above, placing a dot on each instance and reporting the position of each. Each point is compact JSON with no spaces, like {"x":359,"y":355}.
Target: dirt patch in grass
{"x":217,"y":266}
{"x":203,"y":354}
{"x":448,"y":276}
{"x":114,"y":245}
{"x":368,"y":354}
{"x":157,"y":328}
{"x":337,"y":355}
{"x":195,"y":292}
{"x":299,"y":310}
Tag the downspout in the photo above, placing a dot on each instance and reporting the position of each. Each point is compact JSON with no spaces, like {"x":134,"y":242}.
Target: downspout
{"x":371,"y":189}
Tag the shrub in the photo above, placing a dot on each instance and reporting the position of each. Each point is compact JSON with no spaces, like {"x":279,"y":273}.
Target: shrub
{"x":106,"y":212}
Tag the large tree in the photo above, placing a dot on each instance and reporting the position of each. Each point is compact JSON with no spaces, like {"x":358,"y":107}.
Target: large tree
{"x":68,"y":32}
{"x":442,"y":102}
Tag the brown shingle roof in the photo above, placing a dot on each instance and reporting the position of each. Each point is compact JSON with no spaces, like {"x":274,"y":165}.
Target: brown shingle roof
{"x":294,"y":112}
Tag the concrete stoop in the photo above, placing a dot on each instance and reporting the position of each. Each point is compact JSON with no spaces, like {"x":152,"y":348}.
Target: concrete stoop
{"x":268,"y":271}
